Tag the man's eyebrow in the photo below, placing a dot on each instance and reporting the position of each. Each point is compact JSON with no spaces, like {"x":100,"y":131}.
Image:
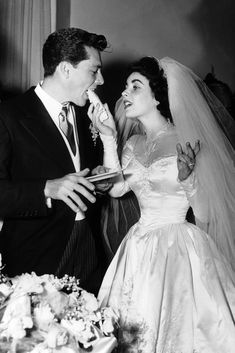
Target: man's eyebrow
{"x":97,"y":66}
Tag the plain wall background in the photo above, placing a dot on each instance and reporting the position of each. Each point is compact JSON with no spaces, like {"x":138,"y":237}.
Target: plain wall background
{"x":198,"y":33}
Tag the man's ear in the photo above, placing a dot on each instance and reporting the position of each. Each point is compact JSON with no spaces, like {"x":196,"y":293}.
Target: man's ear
{"x":64,"y":69}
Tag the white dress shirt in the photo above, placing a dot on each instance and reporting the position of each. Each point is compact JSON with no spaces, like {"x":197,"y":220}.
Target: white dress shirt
{"x":54,"y":108}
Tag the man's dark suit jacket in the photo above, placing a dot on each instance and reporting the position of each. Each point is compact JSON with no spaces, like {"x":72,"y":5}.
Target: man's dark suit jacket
{"x":32,"y":151}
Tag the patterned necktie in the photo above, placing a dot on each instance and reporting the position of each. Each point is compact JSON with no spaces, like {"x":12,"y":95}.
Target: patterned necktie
{"x":66,"y":127}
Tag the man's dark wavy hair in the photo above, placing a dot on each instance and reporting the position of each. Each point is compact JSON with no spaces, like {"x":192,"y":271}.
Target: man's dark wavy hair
{"x":69,"y":44}
{"x":149,"y":67}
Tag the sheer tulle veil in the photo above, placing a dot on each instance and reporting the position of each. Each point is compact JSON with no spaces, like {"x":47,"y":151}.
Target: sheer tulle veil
{"x":198,"y":115}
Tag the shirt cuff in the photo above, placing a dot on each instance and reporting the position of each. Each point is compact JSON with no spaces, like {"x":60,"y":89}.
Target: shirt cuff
{"x":48,"y":202}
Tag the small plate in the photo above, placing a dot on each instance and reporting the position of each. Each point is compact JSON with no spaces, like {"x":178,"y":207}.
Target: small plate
{"x":103,"y":176}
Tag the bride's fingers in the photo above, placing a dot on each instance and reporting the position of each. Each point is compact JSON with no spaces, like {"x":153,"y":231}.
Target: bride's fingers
{"x":179,"y":148}
{"x":197,"y":147}
{"x":90,"y":111}
{"x":190,"y":151}
{"x":107,"y":108}
{"x":180,"y":153}
{"x":182,"y":158}
{"x":188,"y":158}
{"x":96,"y":114}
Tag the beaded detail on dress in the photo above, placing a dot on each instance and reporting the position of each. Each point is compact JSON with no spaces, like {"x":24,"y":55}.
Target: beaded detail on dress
{"x":149,"y":150}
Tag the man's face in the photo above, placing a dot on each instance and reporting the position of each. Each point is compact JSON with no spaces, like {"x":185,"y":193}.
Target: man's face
{"x":87,"y":74}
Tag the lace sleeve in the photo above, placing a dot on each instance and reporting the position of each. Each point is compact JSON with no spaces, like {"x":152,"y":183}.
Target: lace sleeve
{"x":111,"y":160}
{"x":197,"y":199}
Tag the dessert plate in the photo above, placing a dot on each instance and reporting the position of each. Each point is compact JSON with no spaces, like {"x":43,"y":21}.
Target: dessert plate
{"x":104,"y":176}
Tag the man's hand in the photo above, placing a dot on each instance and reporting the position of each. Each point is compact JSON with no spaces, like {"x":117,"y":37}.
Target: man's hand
{"x":186,"y":160}
{"x":67,"y":189}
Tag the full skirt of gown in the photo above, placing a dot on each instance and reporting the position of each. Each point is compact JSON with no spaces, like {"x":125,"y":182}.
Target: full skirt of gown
{"x":173,"y":292}
{"x":171,"y":286}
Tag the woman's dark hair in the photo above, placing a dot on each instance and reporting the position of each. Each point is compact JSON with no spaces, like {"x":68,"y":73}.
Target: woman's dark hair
{"x":69,"y":44}
{"x":149,"y":67}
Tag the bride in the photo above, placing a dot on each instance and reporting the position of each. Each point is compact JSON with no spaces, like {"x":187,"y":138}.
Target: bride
{"x":172,"y":282}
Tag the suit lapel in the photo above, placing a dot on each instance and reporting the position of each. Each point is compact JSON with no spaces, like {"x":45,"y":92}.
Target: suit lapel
{"x":39,"y":124}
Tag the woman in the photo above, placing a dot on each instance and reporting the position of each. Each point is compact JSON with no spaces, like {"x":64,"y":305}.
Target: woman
{"x":173,"y":283}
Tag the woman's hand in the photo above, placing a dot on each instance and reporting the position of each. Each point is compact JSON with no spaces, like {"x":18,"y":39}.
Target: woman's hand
{"x":107,"y":127}
{"x":186,"y":160}
{"x":104,"y":185}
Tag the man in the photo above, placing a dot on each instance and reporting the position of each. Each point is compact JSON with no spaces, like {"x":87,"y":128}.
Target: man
{"x":45,"y":150}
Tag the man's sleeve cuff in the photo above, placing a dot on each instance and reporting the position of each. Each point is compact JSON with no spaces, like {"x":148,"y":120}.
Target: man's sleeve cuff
{"x":48,"y":202}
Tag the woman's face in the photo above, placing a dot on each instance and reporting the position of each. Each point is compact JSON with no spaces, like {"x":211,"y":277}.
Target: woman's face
{"x":138,"y":97}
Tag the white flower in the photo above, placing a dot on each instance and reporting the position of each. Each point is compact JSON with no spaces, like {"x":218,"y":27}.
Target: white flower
{"x":88,"y":337}
{"x":16,"y":318}
{"x":98,"y":316}
{"x":61,"y":319}
{"x":108,"y":321}
{"x":49,"y":283}
{"x":18,"y":307}
{"x":5,"y":289}
{"x":43,"y":316}
{"x":57,"y":336}
{"x":90,"y":301}
{"x":16,"y":327}
{"x":57,"y":301}
{"x":74,"y":326}
{"x":81,"y":330}
{"x":27,"y":322}
{"x":43,"y":348}
{"x":108,"y":312}
{"x":72,"y":299}
{"x":93,"y":316}
{"x":27,"y":283}
{"x":107,"y":326}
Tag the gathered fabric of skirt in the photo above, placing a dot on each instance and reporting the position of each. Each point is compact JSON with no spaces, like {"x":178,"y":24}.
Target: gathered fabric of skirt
{"x":173,"y":289}
{"x":173,"y":292}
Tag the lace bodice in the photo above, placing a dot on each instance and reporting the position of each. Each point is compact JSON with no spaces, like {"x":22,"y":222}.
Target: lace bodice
{"x":150,"y":171}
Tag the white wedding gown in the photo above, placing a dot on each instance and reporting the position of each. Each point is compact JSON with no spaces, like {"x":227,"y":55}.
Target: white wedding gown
{"x":174,"y":291}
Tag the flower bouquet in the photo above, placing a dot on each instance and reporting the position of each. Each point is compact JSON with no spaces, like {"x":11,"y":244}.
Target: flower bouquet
{"x":45,"y":314}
